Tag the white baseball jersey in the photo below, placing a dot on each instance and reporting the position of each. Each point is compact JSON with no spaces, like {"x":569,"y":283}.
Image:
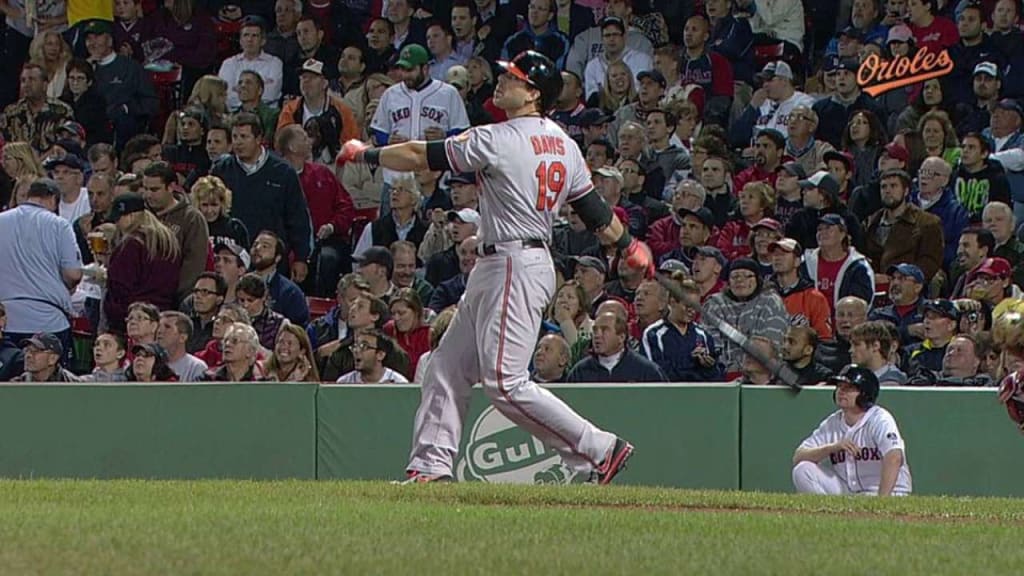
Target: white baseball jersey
{"x":527,"y":168}
{"x":775,"y":115}
{"x":409,"y":112}
{"x":876,"y":434}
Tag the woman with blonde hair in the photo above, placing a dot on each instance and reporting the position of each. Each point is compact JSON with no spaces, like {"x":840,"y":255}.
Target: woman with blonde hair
{"x":213,"y":199}
{"x":20,"y":191}
{"x":481,"y":89}
{"x":145,"y":263}
{"x":617,"y":91}
{"x":49,"y":50}
{"x":19,"y":159}
{"x":209,"y":93}
{"x":939,"y":137}
{"x":292,"y":360}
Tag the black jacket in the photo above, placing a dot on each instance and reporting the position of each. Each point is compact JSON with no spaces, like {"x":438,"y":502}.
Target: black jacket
{"x":91,"y":112}
{"x":632,"y":367}
{"x":833,"y":354}
{"x":803,"y":227}
{"x":834,"y":116}
{"x":384,"y":231}
{"x":12,"y":360}
{"x":442,"y":266}
{"x":270,"y":198}
{"x":812,"y":374}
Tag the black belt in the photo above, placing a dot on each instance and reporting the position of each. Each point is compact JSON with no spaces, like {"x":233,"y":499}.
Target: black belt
{"x":489,"y":249}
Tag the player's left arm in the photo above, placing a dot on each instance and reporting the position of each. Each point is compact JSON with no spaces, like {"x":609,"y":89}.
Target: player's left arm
{"x":891,"y":464}
{"x":600,"y":220}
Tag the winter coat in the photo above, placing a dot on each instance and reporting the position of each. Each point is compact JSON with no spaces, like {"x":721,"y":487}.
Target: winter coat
{"x":915,"y":238}
{"x":762,"y":315}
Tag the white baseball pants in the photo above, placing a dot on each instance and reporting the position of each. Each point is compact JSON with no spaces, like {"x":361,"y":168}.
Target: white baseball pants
{"x":491,"y":340}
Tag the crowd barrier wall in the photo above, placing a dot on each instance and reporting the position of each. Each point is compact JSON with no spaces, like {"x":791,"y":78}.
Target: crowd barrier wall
{"x":714,"y":436}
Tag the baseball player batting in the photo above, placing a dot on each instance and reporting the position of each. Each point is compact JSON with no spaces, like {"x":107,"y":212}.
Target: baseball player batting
{"x":528,"y":167}
{"x":856,"y":450}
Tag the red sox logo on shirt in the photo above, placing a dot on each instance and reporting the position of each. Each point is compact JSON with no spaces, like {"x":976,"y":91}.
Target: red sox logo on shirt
{"x":825,"y":284}
{"x":862,"y":454}
{"x":438,"y":115}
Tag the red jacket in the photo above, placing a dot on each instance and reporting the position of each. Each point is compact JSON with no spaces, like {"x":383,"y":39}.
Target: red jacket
{"x":753,"y":174}
{"x":132,"y":276}
{"x":414,"y":343}
{"x":734,"y":239}
{"x":328,"y":201}
{"x":663,"y":236}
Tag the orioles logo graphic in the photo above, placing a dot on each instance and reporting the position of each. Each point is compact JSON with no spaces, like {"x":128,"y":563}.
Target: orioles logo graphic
{"x":876,"y":76}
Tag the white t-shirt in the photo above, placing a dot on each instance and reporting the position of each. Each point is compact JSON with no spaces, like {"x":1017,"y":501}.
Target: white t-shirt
{"x":389,"y":377}
{"x":876,"y":434}
{"x":188,"y":368}
{"x":76,"y":209}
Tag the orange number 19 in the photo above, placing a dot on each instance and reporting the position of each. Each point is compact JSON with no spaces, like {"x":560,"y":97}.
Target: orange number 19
{"x":550,"y":181}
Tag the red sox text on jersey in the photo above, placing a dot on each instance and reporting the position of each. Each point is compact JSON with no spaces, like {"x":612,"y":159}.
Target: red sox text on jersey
{"x":433,"y":113}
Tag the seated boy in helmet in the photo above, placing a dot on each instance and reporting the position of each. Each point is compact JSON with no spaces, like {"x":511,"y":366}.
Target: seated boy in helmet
{"x":856,"y":450}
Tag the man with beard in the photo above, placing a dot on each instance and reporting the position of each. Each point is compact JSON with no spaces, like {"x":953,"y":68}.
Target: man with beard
{"x":834,"y":112}
{"x":902,"y":232}
{"x":987,"y":84}
{"x":976,"y":244}
{"x":867,"y":198}
{"x":798,"y":352}
{"x":369,"y":350}
{"x":612,"y":361}
{"x":419,"y":107}
{"x":286,"y":298}
{"x":979,"y":180}
{"x":941,"y":319}
{"x":768,"y":150}
{"x":906,"y":285}
{"x":663,"y":340}
{"x":834,"y":354}
{"x":805,"y":304}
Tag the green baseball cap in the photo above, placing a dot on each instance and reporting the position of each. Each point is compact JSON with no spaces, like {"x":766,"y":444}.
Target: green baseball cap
{"x":412,"y":56}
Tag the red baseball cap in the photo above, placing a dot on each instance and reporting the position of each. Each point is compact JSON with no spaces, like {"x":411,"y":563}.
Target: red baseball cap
{"x":997,"y":267}
{"x":897,"y":152}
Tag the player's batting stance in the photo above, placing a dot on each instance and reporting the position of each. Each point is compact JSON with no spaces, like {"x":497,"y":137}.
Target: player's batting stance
{"x":856,"y":450}
{"x":528,"y":167}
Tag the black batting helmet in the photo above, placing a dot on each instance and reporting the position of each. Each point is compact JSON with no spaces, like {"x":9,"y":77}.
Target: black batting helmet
{"x":538,"y":71}
{"x":865,"y":381}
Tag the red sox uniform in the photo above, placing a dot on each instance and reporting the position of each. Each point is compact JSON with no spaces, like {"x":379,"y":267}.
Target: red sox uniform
{"x":527,"y":168}
{"x":875,"y":434}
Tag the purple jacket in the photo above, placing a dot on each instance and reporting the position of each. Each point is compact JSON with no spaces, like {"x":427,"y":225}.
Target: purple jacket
{"x":133,"y":277}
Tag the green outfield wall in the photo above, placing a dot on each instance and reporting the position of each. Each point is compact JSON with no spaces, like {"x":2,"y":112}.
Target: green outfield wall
{"x":959,"y":441}
{"x":158,"y":431}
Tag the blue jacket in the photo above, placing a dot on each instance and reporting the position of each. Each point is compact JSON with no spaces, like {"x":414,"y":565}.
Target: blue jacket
{"x":833,"y":116}
{"x":671,"y":350}
{"x":447,"y":293}
{"x":733,"y":38}
{"x":954,"y":219}
{"x":889,"y":314}
{"x":287,"y":299}
{"x":632,"y":367}
{"x":551,"y":43}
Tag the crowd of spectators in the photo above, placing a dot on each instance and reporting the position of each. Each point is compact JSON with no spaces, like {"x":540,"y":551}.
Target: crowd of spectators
{"x":170,"y":208}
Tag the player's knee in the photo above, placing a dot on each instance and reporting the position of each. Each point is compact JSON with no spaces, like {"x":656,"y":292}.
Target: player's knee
{"x":501,"y":388}
{"x":804,"y":474}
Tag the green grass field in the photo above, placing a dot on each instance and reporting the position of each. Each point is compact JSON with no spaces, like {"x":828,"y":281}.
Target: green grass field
{"x":226,"y":527}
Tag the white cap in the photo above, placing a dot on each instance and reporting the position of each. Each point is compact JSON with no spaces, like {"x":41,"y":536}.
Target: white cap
{"x":467,"y":215}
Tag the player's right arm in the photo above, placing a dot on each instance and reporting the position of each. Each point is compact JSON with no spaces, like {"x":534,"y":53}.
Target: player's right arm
{"x":817,"y":446}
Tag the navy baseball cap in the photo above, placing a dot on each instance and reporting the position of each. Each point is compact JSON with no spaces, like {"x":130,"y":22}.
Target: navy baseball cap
{"x":848,"y":64}
{"x":124,"y":204}
{"x":46,"y":342}
{"x":376,"y":255}
{"x":852,"y":32}
{"x":654,"y":76}
{"x":613,"y":21}
{"x":1011,"y":105}
{"x":462,"y":178}
{"x":153,"y":349}
{"x":833,"y":219}
{"x":823,"y":181}
{"x":712,"y":252}
{"x":592,"y":262}
{"x":592,"y":117}
{"x":832,"y":63}
{"x":703,"y":214}
{"x":908,"y":270}
{"x":942,"y":307}
{"x":70,"y":160}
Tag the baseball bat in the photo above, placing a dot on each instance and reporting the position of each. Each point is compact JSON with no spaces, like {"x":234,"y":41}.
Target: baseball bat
{"x":780,"y":370}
